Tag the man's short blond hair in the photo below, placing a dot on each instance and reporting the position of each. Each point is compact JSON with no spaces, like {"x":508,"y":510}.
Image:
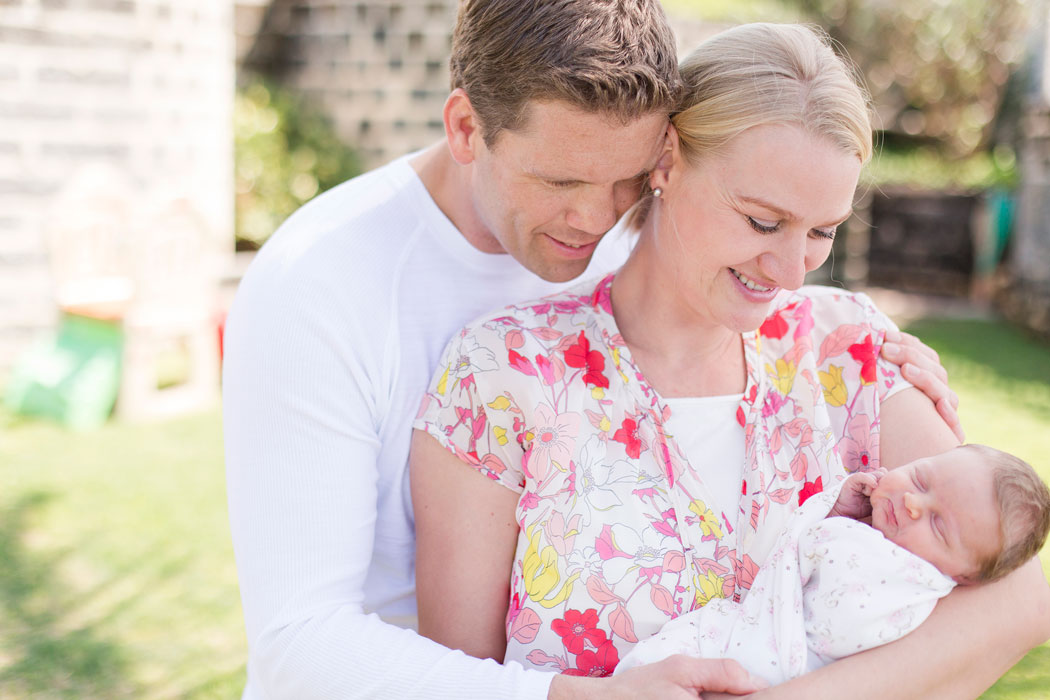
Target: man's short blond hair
{"x":612,"y":57}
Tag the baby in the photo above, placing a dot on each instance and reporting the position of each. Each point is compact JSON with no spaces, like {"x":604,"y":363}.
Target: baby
{"x":834,"y":586}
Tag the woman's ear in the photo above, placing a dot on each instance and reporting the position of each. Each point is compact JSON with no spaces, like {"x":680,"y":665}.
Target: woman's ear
{"x":661,"y":175}
{"x":462,"y":128}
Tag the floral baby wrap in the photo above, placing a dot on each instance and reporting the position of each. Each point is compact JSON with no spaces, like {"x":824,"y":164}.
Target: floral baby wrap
{"x":618,"y":532}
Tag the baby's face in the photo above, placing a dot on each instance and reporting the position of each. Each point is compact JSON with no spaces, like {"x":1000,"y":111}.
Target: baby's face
{"x":942,"y":509}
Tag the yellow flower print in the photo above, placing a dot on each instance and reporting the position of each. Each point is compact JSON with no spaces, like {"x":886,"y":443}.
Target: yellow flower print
{"x":708,"y":520}
{"x":443,"y":383}
{"x":783,"y":376}
{"x":500,"y":403}
{"x":708,"y":587}
{"x":605,"y":424}
{"x":616,"y":361}
{"x":500,"y":433}
{"x":597,"y":393}
{"x":835,"y":392}
{"x":540,"y":572}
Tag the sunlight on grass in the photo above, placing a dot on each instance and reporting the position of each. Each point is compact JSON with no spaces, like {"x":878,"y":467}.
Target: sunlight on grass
{"x":1003,"y":382}
{"x":118,"y":578}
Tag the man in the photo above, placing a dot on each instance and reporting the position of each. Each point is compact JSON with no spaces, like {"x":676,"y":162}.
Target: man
{"x":558,"y":111}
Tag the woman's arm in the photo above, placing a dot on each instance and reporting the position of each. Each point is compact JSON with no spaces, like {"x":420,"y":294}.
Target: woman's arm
{"x":974,"y":635}
{"x":466,"y":535}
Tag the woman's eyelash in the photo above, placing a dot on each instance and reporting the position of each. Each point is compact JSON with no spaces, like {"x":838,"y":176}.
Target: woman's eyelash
{"x":825,"y":233}
{"x":762,"y":228}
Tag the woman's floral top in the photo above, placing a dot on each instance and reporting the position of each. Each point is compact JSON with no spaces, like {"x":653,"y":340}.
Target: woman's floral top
{"x":618,"y":532}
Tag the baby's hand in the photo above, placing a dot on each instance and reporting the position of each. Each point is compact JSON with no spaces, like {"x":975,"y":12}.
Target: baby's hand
{"x":854,"y":499}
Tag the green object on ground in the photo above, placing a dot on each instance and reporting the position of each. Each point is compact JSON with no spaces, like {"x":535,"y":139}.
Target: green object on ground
{"x":72,"y":378}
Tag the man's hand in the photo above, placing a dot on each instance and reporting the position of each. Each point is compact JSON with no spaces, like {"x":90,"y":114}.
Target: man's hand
{"x":921,"y":366}
{"x":854,"y":499}
{"x":675,"y":678}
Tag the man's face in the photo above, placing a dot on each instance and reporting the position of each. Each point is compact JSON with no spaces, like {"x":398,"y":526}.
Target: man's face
{"x":548,"y":192}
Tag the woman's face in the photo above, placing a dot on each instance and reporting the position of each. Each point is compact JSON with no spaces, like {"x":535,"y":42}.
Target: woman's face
{"x":752,"y":220}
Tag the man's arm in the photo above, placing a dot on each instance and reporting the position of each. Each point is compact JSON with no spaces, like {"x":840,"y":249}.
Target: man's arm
{"x":301,"y":458}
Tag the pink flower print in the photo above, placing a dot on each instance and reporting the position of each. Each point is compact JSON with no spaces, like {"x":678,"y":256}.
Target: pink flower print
{"x":598,"y":663}
{"x":552,"y":442}
{"x":576,"y":629}
{"x":551,"y":369}
{"x":860,"y":447}
{"x":560,"y":534}
{"x":628,"y":435}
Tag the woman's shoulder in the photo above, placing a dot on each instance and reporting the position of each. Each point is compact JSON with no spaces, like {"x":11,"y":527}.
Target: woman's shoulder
{"x":828,"y":307}
{"x":561,"y":311}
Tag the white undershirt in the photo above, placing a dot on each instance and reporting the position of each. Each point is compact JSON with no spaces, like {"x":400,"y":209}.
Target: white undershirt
{"x":706,"y":430}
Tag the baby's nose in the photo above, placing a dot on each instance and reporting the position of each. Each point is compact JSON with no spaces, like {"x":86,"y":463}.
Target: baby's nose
{"x":913,"y":504}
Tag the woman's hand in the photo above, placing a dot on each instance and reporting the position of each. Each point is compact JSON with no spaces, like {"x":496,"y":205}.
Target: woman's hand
{"x":675,"y":678}
{"x":921,"y":366}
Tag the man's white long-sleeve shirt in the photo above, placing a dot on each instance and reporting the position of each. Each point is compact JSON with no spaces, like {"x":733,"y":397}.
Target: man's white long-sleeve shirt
{"x":331,"y":341}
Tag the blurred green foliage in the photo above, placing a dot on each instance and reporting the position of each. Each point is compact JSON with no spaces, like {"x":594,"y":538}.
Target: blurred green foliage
{"x":285,"y":153}
{"x":937,"y":70}
{"x":928,"y":168}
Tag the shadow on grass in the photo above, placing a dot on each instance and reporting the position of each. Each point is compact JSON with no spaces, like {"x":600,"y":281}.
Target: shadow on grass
{"x":43,"y":653}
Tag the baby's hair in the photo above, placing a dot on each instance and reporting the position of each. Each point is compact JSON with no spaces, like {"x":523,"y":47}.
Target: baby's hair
{"x":1024,"y":512}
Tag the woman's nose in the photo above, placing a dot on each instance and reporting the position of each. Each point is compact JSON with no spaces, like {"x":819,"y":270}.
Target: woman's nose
{"x":913,"y":504}
{"x":786,"y":263}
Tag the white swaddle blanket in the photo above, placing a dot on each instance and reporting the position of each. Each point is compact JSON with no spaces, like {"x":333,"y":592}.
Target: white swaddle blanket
{"x":831,"y":587}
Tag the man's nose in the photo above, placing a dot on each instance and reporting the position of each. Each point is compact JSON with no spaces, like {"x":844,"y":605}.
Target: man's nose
{"x":593,"y":212}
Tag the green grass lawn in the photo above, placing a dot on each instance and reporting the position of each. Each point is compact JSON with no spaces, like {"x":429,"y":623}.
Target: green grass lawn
{"x":116,"y":571}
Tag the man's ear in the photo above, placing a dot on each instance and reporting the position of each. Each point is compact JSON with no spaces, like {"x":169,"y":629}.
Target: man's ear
{"x":462,"y":128}
{"x":661,"y":174}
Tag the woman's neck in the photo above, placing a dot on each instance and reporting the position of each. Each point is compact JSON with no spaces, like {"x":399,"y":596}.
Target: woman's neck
{"x":679,"y":352}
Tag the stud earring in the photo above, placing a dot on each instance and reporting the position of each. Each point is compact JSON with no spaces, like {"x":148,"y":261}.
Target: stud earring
{"x":658,"y":191}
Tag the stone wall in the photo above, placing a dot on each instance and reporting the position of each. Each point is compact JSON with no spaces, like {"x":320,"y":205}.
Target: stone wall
{"x":379,"y":69}
{"x":115,"y":118}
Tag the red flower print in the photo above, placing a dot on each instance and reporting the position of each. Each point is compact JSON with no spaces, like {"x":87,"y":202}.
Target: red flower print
{"x":774,"y":327}
{"x":580,"y":355}
{"x":577,"y":628}
{"x":811,"y":488}
{"x":520,"y":363}
{"x":865,"y":352}
{"x":598,"y":663}
{"x":628,"y":435}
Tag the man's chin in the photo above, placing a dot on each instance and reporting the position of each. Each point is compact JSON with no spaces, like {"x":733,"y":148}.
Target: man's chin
{"x":560,"y":271}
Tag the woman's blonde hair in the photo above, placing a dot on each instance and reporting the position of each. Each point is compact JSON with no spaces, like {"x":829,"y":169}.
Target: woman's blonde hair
{"x":765,"y":74}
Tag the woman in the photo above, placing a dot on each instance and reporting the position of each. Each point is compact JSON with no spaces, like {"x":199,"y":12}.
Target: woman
{"x":655,"y":430}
